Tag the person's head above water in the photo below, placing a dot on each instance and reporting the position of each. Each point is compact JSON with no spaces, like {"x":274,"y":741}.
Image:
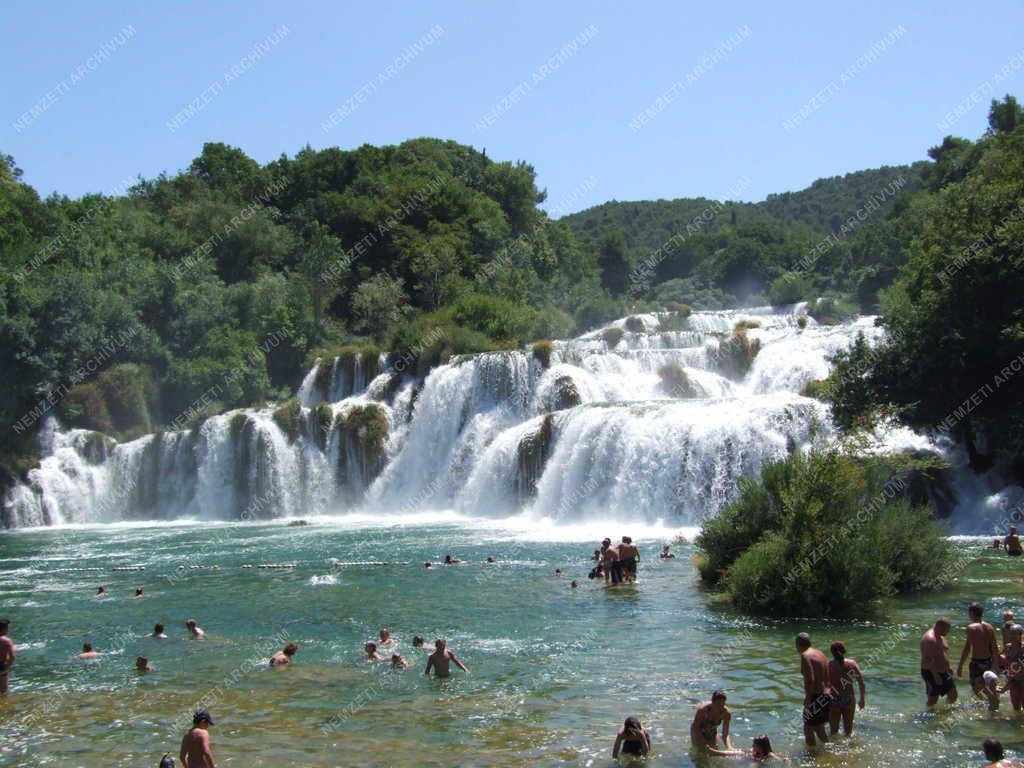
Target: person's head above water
{"x":993,"y":750}
{"x":975,"y":611}
{"x":384,"y":633}
{"x":490,"y":559}
{"x":158,"y":629}
{"x":138,"y":591}
{"x":838,"y":649}
{"x":101,"y":590}
{"x":718,"y":698}
{"x":86,"y":647}
{"x":632,"y":726}
{"x":4,"y":626}
{"x":417,"y":641}
{"x":665,"y":548}
{"x":190,"y":623}
{"x":803,"y":641}
{"x":761,"y":746}
{"x":370,"y":647}
{"x":290,"y":649}
{"x":428,"y":565}
{"x":141,"y":662}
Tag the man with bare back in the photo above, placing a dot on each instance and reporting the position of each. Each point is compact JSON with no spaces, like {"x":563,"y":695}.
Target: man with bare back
{"x":441,"y":658}
{"x":6,"y":655}
{"x":935,"y":667}
{"x":195,"y":749}
{"x":981,"y":644}
{"x":817,"y":690}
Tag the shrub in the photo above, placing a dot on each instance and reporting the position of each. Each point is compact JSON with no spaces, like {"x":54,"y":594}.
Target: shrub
{"x":790,"y":288}
{"x":819,"y":389}
{"x":84,"y":406}
{"x":675,"y":382}
{"x":322,"y":381}
{"x":566,"y":394}
{"x":497,"y":318}
{"x":542,"y":352}
{"x":364,"y":433}
{"x":679,"y":308}
{"x":822,"y":533}
{"x":128,"y":389}
{"x":612,"y":336}
{"x":554,"y":323}
{"x":746,"y":325}
{"x":802,"y":321}
{"x":833,"y":309}
{"x":635,"y":325}
{"x":288,"y":417}
{"x":596,"y":311}
{"x":736,"y":354}
{"x":672,"y":321}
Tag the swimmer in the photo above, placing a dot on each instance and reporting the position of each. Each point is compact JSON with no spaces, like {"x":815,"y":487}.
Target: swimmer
{"x":981,"y":645}
{"x":428,"y":565}
{"x":440,"y":659}
{"x":817,"y":690}
{"x":631,"y":739}
{"x":843,"y":673}
{"x":371,"y":651}
{"x":997,"y":544}
{"x":195,"y":749}
{"x":88,"y":652}
{"x":385,"y":636}
{"x":138,"y":593}
{"x":1012,"y":542}
{"x":704,"y":728}
{"x":935,"y":667}
{"x":158,"y":631}
{"x":418,"y":642}
{"x":194,"y":629}
{"x":6,"y":655}
{"x":142,"y":665}
{"x":994,"y":751}
{"x":558,"y":573}
{"x":397,"y":662}
{"x":101,"y":592}
{"x":665,"y":554}
{"x":1008,"y":623}
{"x":491,"y":559}
{"x":284,"y":656}
{"x":1013,"y":664}
{"x":574,"y":585}
{"x":449,"y":560}
{"x":761,"y":749}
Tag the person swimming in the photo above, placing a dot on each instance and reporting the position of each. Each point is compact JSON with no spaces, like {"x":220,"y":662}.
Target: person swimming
{"x":87,"y":652}
{"x":284,"y":656}
{"x":101,"y":592}
{"x":398,"y":662}
{"x":142,"y":665}
{"x":158,"y":632}
{"x":371,"y":651}
{"x":761,"y":749}
{"x":631,"y":739}
{"x":665,"y":554}
{"x":449,"y":560}
{"x":194,"y":629}
{"x":385,"y":637}
{"x":138,"y":593}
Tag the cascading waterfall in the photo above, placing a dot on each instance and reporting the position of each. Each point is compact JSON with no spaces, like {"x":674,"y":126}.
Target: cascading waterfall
{"x":650,"y":420}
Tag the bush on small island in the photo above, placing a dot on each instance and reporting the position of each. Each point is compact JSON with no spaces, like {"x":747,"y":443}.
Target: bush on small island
{"x":822,"y":533}
{"x":675,"y":382}
{"x":635,"y":325}
{"x":678,"y":308}
{"x":542,"y":352}
{"x":612,"y":336}
{"x":736,"y":354}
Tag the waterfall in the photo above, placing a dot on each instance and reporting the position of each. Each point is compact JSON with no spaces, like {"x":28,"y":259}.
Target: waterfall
{"x":653,"y":417}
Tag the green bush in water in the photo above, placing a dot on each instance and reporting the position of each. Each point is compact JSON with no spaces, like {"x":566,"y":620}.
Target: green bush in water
{"x":635,"y":325}
{"x":677,"y":307}
{"x":736,"y":354}
{"x":366,"y":426}
{"x":833,"y":309}
{"x":566,"y":393}
{"x":790,"y":288}
{"x":322,"y":381}
{"x":822,"y":533}
{"x":542,"y":352}
{"x":675,"y":382}
{"x":612,"y":336}
{"x":747,"y":325}
{"x":802,"y":321}
{"x":288,"y":417}
{"x":819,"y":389}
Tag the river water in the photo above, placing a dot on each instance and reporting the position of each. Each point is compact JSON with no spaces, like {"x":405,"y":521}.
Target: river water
{"x":554,"y":670}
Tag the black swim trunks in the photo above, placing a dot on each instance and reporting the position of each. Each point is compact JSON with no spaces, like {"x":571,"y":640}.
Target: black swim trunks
{"x":816,"y":713}
{"x":632,"y":747}
{"x":616,"y":571}
{"x":977,"y":669}
{"x":3,"y":668}
{"x":935,"y":688}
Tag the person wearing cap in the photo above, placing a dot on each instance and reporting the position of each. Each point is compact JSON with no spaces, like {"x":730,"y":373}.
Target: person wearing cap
{"x":195,"y":749}
{"x":1012,"y":663}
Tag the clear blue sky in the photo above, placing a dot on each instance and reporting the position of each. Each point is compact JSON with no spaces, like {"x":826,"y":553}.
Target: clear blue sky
{"x":104,"y":119}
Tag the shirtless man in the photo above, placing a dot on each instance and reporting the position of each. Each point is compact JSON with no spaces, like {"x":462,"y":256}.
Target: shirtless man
{"x":385,"y":637}
{"x":101,"y":592}
{"x":88,"y":652}
{"x":994,"y":751}
{"x":194,"y":629}
{"x":6,"y":655}
{"x":629,"y":555}
{"x":440,"y":659}
{"x":449,"y":560}
{"x":704,"y":728}
{"x":665,"y":554}
{"x":981,"y":645}
{"x":1012,"y":542}
{"x":842,"y":673}
{"x":284,"y":656}
{"x":935,"y":668}
{"x":417,"y":642}
{"x":611,"y":562}
{"x":195,"y":749}
{"x":372,"y":654}
{"x":817,"y":690}
{"x":158,"y":632}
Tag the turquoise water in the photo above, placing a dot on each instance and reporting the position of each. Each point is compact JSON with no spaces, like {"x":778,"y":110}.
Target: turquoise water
{"x":554,"y":670}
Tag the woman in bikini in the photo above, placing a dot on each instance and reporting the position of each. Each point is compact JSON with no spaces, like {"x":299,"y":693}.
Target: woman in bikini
{"x":632,"y":739}
{"x":842,"y":673}
{"x":704,"y":728}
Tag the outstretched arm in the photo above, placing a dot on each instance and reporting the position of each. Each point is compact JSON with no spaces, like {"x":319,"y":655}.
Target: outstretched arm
{"x":458,"y":663}
{"x":615,"y":749}
{"x":725,"y":728}
{"x":430,"y":663}
{"x":963,"y":656}
{"x":860,"y":683}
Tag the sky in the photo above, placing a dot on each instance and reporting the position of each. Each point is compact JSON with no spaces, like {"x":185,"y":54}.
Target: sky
{"x":608,"y":101}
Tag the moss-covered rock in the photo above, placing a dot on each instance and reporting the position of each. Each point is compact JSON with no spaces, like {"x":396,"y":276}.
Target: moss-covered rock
{"x":612,"y":336}
{"x":677,"y":307}
{"x":675,"y":382}
{"x":747,"y":325}
{"x":322,"y":380}
{"x":237,"y":425}
{"x":736,"y":354}
{"x":635,"y":325}
{"x":542,"y":352}
{"x":321,"y":420}
{"x":363,"y":433}
{"x":801,"y":321}
{"x":531,"y":456}
{"x":96,"y":447}
{"x":288,"y":417}
{"x":566,"y":393}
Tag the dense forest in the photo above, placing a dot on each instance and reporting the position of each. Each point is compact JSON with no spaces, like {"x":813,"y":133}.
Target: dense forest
{"x":213,"y":288}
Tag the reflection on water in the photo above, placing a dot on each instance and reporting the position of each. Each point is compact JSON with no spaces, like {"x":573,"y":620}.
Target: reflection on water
{"x":554,"y":670}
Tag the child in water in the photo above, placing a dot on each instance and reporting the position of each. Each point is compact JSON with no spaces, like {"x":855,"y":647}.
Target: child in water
{"x":632,"y":739}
